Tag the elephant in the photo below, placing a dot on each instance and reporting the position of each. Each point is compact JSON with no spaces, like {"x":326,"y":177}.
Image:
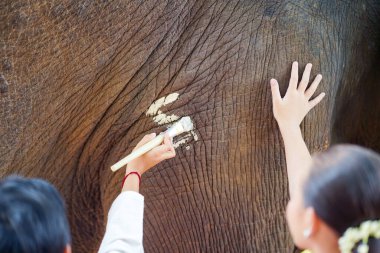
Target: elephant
{"x":77,"y":78}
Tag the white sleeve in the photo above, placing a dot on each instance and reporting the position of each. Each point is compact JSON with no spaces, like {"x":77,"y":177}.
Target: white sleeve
{"x":124,"y":231}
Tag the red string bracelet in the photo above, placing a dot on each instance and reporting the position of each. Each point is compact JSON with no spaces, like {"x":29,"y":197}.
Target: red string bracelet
{"x":125,"y":177}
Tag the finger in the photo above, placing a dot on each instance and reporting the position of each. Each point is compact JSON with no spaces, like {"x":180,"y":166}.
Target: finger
{"x":161,"y":153}
{"x":167,"y":155}
{"x":305,"y":78}
{"x":294,"y":76}
{"x":313,"y":87}
{"x":172,"y":150}
{"x":167,"y":146}
{"x":158,"y":151}
{"x":316,"y":100}
{"x":145,"y":139}
{"x":276,"y":96}
{"x":167,"y":140}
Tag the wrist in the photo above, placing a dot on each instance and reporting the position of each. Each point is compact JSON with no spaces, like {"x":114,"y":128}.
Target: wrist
{"x":290,"y":131}
{"x":134,"y":168}
{"x":288,"y":126}
{"x":131,"y":182}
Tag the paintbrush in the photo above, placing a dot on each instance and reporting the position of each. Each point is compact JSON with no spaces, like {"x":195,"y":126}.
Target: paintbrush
{"x":181,"y":126}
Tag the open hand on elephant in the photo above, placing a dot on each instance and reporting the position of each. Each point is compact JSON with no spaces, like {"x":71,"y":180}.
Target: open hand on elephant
{"x":290,"y":110}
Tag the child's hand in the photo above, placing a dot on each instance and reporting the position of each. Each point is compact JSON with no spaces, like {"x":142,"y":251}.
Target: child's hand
{"x":153,"y":157}
{"x":290,"y":110}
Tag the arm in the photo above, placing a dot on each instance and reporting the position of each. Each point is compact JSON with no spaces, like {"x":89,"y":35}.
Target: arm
{"x":289,"y":112}
{"x":124,"y":231}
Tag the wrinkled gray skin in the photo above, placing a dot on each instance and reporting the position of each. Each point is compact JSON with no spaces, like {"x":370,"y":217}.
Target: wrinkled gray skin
{"x":78,"y":76}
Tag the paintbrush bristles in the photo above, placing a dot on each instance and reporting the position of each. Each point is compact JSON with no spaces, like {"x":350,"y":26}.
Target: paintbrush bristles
{"x":186,"y":123}
{"x":180,"y":127}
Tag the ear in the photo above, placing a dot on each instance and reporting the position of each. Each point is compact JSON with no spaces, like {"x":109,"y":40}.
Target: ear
{"x":67,"y":249}
{"x":312,"y":221}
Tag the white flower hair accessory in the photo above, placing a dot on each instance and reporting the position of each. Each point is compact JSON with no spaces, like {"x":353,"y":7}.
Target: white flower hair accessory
{"x":362,"y":233}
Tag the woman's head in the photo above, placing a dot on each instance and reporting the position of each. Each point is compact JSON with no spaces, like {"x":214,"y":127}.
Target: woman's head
{"x":32,"y":217}
{"x":341,"y":191}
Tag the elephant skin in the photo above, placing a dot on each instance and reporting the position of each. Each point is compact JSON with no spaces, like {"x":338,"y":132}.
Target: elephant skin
{"x":77,"y":78}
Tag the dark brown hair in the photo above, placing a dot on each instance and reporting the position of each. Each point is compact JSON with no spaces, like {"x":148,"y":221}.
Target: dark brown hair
{"x":344,"y":188}
{"x":32,"y":217}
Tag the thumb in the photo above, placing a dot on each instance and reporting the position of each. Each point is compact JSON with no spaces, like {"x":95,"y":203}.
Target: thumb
{"x":276,"y":96}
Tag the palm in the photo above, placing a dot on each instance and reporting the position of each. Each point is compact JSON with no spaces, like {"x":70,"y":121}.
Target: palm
{"x":296,"y":103}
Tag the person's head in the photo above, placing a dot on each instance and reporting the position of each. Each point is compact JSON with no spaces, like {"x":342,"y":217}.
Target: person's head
{"x":342,"y":191}
{"x":32,"y":217}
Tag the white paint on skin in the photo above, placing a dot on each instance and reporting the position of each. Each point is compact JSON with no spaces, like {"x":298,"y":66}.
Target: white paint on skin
{"x":154,"y":108}
{"x":182,"y":141}
{"x":186,"y":138}
{"x":158,"y":116}
{"x":163,"y":119}
{"x":194,"y":135}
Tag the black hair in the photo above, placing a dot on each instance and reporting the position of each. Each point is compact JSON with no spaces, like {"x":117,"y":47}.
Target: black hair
{"x":32,"y":217}
{"x":344,"y":188}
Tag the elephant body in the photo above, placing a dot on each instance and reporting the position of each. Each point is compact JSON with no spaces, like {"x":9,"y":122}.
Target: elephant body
{"x":77,"y":79}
